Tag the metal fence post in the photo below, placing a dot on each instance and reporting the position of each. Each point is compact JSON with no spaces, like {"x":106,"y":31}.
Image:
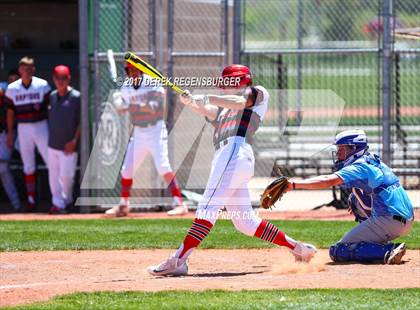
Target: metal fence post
{"x":96,"y":87}
{"x":170,"y":95}
{"x":225,"y":31}
{"x":387,"y":50}
{"x":84,"y":94}
{"x":237,"y":31}
{"x":152,"y":31}
{"x":299,"y":82}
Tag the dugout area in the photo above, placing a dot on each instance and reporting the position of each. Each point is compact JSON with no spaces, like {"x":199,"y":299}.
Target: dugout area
{"x":47,"y":31}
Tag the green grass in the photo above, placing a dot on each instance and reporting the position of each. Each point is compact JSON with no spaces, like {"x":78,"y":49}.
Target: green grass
{"x":158,"y":233}
{"x":218,"y":299}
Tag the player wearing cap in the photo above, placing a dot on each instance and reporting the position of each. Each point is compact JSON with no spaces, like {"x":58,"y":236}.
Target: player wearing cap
{"x":145,"y":103}
{"x":27,"y":100}
{"x":64,"y":126}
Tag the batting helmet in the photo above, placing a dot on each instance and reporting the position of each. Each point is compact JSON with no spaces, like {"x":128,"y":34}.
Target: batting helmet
{"x":238,"y":71}
{"x":357,"y":139}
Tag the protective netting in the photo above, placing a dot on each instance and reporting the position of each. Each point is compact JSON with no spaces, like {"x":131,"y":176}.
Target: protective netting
{"x":324,"y":47}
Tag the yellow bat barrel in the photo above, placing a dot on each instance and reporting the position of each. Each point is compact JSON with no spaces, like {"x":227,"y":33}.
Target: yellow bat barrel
{"x":150,"y":70}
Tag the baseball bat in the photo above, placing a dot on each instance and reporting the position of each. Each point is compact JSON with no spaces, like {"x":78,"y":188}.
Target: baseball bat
{"x":150,"y":71}
{"x":112,"y":65}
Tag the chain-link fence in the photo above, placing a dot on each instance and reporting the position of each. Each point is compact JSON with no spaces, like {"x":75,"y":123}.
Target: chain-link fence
{"x":116,"y":27}
{"x":182,"y":39}
{"x":197,"y":41}
{"x":330,"y":50}
{"x":406,"y":94}
{"x":332,"y":45}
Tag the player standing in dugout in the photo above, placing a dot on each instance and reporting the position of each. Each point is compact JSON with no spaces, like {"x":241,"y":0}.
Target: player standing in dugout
{"x":145,"y":104}
{"x":5,"y":151}
{"x":64,"y":127}
{"x":27,"y":100}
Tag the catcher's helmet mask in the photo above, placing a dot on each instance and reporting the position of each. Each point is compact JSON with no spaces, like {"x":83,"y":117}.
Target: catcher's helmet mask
{"x":356,"y":142}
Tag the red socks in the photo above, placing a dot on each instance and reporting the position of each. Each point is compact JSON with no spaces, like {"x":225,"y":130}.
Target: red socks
{"x":173,"y":186}
{"x":30,"y":182}
{"x":197,"y":232}
{"x":169,"y":177}
{"x":201,"y":228}
{"x":126,"y":187}
{"x":268,"y":232}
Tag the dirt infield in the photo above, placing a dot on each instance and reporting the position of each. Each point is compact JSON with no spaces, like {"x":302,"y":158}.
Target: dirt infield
{"x":35,"y":276}
{"x":27,"y":277}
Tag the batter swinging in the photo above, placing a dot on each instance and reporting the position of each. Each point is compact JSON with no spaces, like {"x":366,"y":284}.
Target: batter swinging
{"x":236,"y":116}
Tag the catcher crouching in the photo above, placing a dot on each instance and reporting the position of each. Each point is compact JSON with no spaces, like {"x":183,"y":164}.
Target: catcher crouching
{"x":378,"y":201}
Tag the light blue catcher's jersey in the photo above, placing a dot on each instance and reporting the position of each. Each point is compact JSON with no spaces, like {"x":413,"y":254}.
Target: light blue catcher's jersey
{"x":375,"y":178}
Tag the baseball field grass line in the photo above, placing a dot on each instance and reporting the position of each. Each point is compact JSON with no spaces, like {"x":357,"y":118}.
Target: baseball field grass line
{"x":160,"y":234}
{"x":218,"y":299}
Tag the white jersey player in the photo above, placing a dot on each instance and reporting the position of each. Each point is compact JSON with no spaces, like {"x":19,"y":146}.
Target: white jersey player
{"x":27,"y":104}
{"x":236,"y":116}
{"x":145,"y":103}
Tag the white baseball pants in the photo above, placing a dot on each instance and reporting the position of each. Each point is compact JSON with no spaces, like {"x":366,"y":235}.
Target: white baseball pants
{"x":153,"y":140}
{"x":61,"y":171}
{"x":232,"y":168}
{"x":32,"y":135}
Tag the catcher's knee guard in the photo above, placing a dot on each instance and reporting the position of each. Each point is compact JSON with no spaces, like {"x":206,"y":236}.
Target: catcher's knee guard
{"x":360,"y":204}
{"x":363,"y":252}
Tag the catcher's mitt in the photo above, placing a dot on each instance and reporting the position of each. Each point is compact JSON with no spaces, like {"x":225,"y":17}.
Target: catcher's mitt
{"x":273,"y":192}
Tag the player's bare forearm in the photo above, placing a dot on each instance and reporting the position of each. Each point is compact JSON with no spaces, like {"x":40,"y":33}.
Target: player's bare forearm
{"x":198,"y":106}
{"x":10,"y":120}
{"x":71,"y":146}
{"x":319,"y":182}
{"x":208,"y":111}
{"x":232,"y":102}
{"x":77,"y":134}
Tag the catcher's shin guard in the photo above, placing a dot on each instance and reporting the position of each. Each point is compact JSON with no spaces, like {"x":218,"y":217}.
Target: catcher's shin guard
{"x":363,"y":252}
